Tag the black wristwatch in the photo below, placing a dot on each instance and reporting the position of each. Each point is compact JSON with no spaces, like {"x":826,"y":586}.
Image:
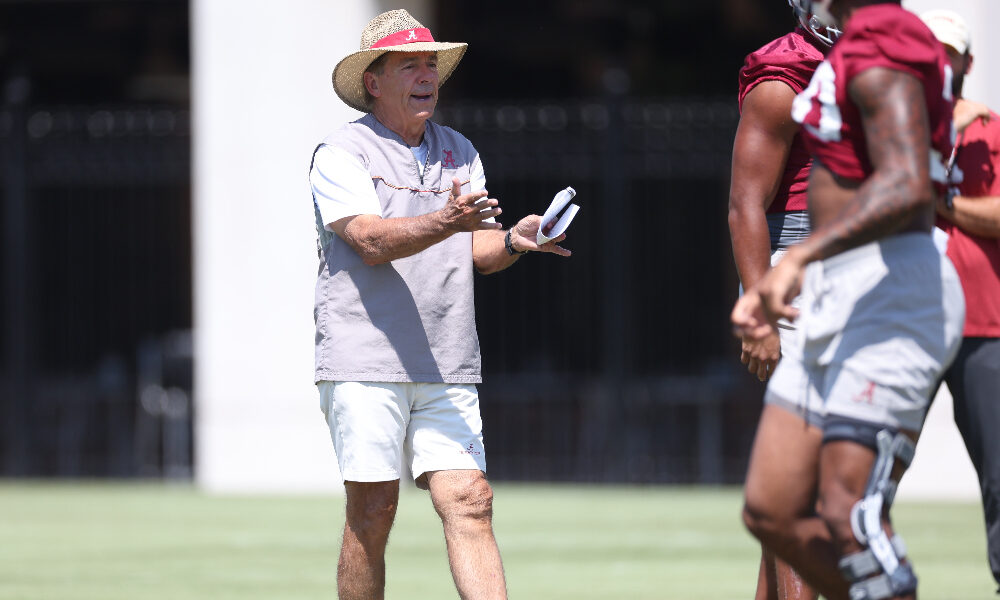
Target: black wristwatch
{"x":510,"y":247}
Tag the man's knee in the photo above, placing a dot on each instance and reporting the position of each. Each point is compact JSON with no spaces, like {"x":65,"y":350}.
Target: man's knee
{"x":755,"y":522}
{"x":873,"y":560}
{"x":371,"y":507}
{"x":462,"y":495}
{"x":764,"y":520}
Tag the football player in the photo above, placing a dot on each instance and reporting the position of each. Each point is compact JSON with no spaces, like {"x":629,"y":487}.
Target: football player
{"x":767,"y":202}
{"x":884,"y":310}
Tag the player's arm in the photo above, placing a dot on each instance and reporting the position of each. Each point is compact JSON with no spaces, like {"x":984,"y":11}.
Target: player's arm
{"x":898,"y":195}
{"x":978,"y":216}
{"x":763,"y":141}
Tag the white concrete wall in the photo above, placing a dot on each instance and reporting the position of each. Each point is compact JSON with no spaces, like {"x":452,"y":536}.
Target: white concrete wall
{"x":262,"y":100}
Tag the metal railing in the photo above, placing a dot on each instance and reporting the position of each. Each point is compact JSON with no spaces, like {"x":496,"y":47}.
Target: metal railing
{"x":95,"y":272}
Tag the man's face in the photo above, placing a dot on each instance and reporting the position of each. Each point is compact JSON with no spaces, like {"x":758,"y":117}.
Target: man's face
{"x":960,"y":66}
{"x":407,"y":87}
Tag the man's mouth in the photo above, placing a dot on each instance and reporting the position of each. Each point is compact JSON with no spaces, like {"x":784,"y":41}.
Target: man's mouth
{"x":422,"y":97}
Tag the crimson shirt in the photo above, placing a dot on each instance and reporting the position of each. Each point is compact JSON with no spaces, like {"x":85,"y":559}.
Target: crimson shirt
{"x":791,"y":59}
{"x":977,"y":259}
{"x":878,"y":35}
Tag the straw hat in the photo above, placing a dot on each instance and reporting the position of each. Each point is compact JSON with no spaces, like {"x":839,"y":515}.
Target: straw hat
{"x":393,"y":31}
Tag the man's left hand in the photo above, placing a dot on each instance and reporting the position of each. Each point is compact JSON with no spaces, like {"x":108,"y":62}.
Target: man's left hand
{"x":524,"y":236}
{"x":761,"y":356}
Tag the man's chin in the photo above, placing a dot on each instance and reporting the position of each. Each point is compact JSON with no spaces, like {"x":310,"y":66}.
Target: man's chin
{"x":424,"y":114}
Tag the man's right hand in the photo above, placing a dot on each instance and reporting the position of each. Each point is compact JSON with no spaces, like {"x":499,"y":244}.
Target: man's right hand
{"x":761,"y":356}
{"x":757,"y":311}
{"x":469,"y":212}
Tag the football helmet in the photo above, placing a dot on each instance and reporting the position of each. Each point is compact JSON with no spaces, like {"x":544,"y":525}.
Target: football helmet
{"x":815,"y":17}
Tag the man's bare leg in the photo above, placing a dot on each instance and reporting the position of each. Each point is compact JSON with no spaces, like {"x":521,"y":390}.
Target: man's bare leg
{"x":371,"y":508}
{"x":778,"y":581}
{"x":791,"y":586}
{"x":464,"y":501}
{"x":767,"y":583}
{"x":780,"y":508}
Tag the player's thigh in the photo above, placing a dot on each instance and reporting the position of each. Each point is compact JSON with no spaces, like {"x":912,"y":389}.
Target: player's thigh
{"x":845,"y":467}
{"x":782,"y":475}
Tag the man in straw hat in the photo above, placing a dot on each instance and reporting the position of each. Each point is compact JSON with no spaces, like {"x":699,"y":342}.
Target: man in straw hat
{"x":971,"y":218}
{"x":403,"y":219}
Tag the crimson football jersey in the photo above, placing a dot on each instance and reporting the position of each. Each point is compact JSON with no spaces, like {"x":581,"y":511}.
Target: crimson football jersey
{"x":791,"y":59}
{"x":879,"y":35}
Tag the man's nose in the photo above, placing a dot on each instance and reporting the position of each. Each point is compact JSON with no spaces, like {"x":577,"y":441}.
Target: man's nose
{"x":427,"y":74}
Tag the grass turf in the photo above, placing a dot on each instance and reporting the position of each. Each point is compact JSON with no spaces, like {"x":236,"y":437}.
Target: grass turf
{"x":117,"y":541}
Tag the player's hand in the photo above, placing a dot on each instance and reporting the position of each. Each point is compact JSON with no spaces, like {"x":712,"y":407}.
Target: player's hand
{"x":748,"y":318}
{"x":761,"y":356}
{"x":468,"y":212}
{"x":524,"y":236}
{"x":967,"y":111}
{"x":758,"y":310}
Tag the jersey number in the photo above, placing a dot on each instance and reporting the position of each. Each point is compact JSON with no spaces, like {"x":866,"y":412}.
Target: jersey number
{"x":822,"y":86}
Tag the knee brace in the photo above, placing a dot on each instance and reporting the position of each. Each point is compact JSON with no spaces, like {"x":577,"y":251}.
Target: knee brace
{"x":878,"y":571}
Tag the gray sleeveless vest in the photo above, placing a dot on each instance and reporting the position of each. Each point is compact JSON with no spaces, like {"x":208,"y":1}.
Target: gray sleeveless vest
{"x":412,"y":319}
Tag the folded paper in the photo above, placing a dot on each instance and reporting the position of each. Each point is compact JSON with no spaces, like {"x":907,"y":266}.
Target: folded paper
{"x":553,"y":223}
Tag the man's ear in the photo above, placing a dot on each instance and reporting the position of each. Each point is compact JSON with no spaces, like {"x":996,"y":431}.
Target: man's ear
{"x":968,"y":63}
{"x":371,"y":84}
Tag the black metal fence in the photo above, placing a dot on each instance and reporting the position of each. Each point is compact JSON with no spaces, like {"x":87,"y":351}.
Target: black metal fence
{"x":95,"y":287}
{"x":617,"y":364}
{"x":614,"y":365}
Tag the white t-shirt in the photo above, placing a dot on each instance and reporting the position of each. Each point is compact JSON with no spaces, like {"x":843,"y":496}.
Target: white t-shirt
{"x":343,"y":187}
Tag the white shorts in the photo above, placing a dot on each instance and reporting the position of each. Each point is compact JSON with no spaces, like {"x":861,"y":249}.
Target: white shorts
{"x":882,"y":323}
{"x":787,"y":330}
{"x":436,"y":425}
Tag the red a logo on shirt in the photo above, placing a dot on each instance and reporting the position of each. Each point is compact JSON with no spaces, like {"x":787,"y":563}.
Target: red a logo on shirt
{"x":449,"y":160}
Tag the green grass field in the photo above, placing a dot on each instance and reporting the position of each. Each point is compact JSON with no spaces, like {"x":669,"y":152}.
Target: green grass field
{"x":110,"y":542}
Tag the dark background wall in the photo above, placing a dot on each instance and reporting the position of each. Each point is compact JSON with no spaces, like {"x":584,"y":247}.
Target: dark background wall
{"x":615,"y":365}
